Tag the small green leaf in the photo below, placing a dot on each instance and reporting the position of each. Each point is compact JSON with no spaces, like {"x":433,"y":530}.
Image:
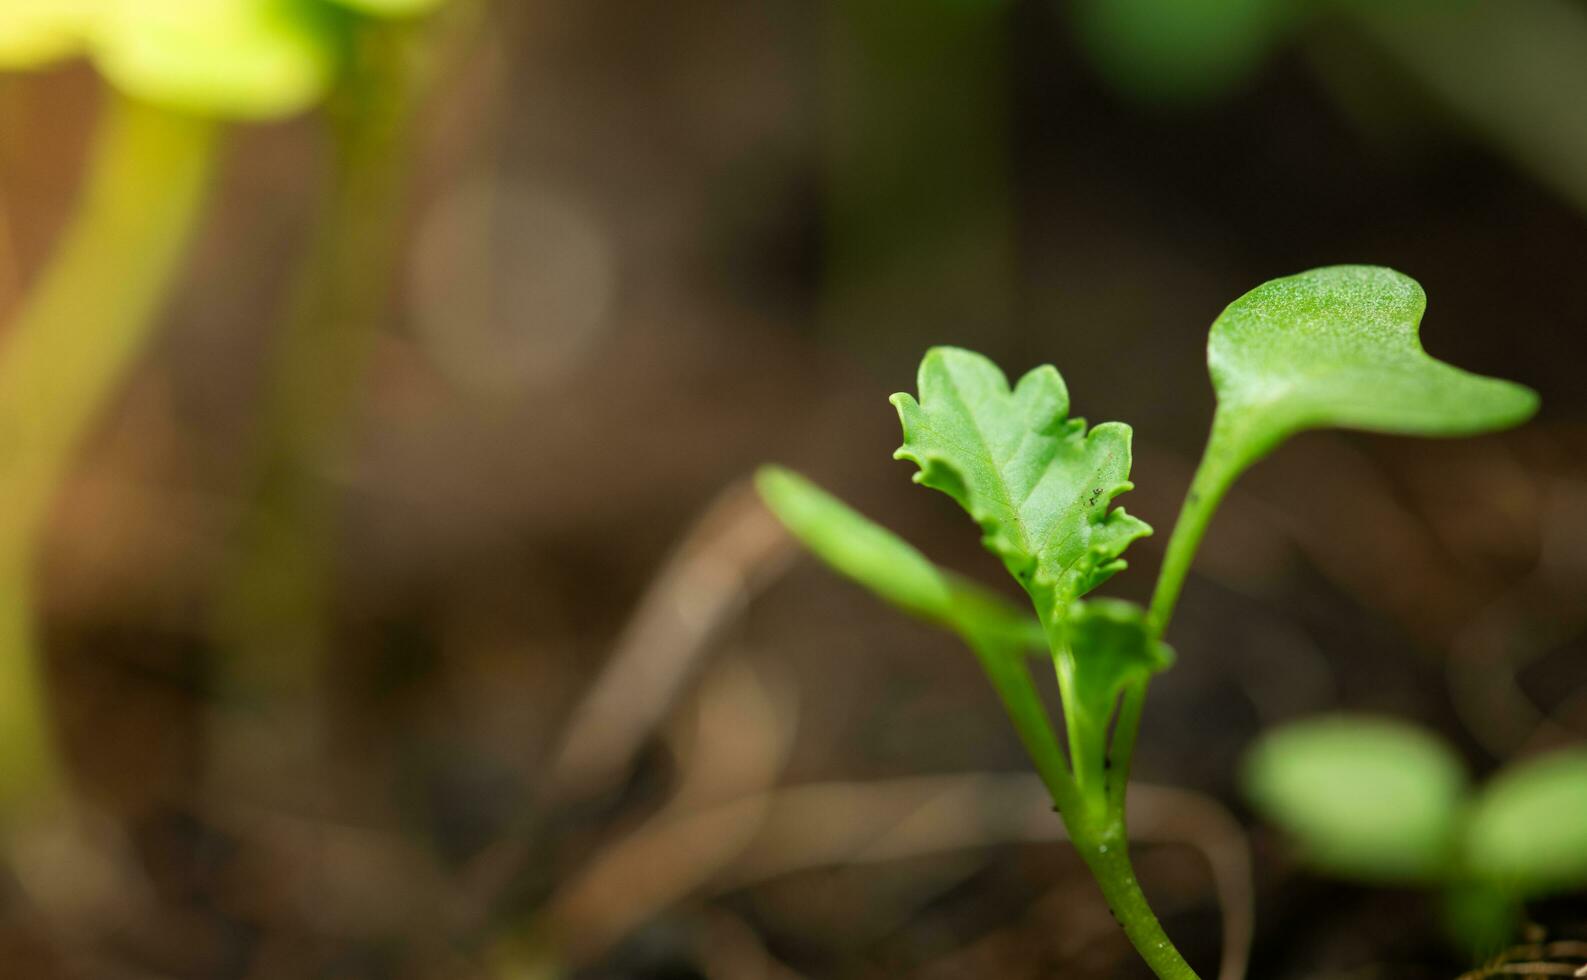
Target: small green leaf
{"x":1107,"y":646}
{"x":228,"y":58}
{"x":1110,"y":646}
{"x":34,"y":33}
{"x":1338,"y":347}
{"x":1035,"y":481}
{"x":1528,"y":829}
{"x":879,"y":560}
{"x":1367,"y":798}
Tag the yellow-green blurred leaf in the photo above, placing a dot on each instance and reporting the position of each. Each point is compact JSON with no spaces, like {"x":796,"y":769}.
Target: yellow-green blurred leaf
{"x":230,"y":58}
{"x":1528,"y":829}
{"x":37,"y":32}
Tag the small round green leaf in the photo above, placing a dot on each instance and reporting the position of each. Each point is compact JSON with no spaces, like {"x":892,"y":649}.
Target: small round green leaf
{"x":247,"y":59}
{"x":1363,"y":797}
{"x":1338,"y":348}
{"x":34,"y":33}
{"x":1528,"y":829}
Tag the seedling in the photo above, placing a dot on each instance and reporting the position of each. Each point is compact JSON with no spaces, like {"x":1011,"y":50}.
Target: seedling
{"x":1380,"y":801}
{"x":1334,"y":347}
{"x":178,"y":69}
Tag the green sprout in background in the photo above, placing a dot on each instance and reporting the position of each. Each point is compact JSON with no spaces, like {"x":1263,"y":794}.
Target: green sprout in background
{"x":178,"y":70}
{"x":1380,"y":801}
{"x":1330,"y":348}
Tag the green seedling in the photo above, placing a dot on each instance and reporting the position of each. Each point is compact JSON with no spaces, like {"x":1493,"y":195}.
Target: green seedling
{"x":1334,"y":347}
{"x":1380,"y":801}
{"x":177,"y":70}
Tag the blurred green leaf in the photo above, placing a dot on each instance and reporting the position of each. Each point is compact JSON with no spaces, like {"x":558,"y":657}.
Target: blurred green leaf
{"x":1035,"y":481}
{"x":1180,"y":50}
{"x":230,"y":58}
{"x":1528,"y":829}
{"x":1338,"y":347}
{"x":1364,"y":797}
{"x":879,"y":560}
{"x":36,"y":32}
{"x":391,"y":8}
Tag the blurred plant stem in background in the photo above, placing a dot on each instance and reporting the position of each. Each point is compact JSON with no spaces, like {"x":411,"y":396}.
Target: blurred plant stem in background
{"x":919,"y":238}
{"x":1514,"y":72}
{"x":272,"y":613}
{"x":73,"y":341}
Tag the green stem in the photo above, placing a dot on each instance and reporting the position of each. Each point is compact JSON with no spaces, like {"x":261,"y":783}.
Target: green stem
{"x":1105,"y":850}
{"x":73,"y":342}
{"x":1006,"y":668}
{"x":1218,"y":468}
{"x":271,"y":614}
{"x":1107,"y":853}
{"x":1122,"y":753}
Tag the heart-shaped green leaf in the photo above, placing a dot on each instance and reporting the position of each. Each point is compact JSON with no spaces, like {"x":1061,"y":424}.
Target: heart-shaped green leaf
{"x":1364,"y":797}
{"x":1528,"y":829}
{"x":1036,"y":482}
{"x":874,"y":557}
{"x":228,"y":58}
{"x":1338,"y":348}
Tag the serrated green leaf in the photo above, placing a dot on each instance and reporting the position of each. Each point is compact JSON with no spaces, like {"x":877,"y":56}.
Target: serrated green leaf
{"x":1338,"y":348}
{"x":1528,"y":829}
{"x":1363,"y":797}
{"x":872,"y":556}
{"x":1036,"y":482}
{"x":249,"y":59}
{"x":1107,"y":645}
{"x":34,"y":33}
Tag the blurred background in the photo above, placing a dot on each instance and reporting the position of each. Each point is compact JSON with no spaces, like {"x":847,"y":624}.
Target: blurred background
{"x":460,"y":649}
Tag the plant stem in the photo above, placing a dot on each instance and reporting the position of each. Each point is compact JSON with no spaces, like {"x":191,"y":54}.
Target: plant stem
{"x":1217,"y":470}
{"x":1105,"y":850}
{"x":73,"y":341}
{"x":1005,"y":667}
{"x":272,"y":610}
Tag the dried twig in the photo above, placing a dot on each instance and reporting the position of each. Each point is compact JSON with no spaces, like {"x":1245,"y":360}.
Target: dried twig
{"x":732,"y":551}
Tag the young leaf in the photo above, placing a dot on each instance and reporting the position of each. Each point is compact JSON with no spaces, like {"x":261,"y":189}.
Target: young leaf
{"x":1035,"y":481}
{"x":1337,"y":347}
{"x":36,"y":32}
{"x":1528,"y":829}
{"x":1334,"y":347}
{"x":227,"y":58}
{"x":1364,"y":797}
{"x":1107,"y":646}
{"x":879,"y":560}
